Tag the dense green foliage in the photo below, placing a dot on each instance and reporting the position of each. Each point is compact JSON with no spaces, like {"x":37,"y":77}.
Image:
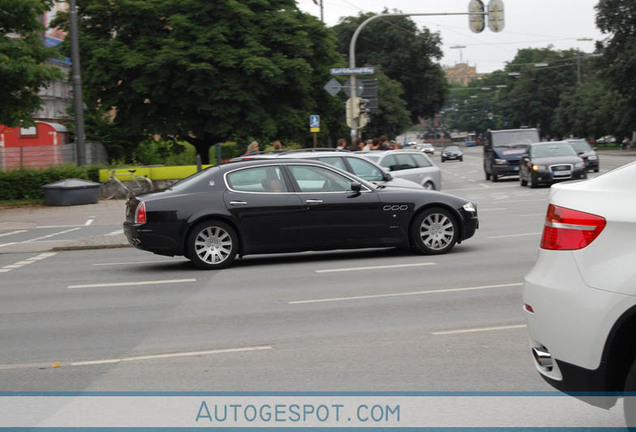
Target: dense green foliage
{"x":22,"y":58}
{"x":208,"y":71}
{"x":27,"y":184}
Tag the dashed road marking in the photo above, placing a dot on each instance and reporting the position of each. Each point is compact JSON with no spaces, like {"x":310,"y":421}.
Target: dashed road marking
{"x":25,"y":262}
{"x":124,"y":284}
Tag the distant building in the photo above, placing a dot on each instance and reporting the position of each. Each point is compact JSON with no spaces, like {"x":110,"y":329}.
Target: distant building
{"x":461,"y":73}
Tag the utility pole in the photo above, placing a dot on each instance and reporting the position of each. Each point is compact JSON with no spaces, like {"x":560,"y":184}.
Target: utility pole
{"x":77,"y":85}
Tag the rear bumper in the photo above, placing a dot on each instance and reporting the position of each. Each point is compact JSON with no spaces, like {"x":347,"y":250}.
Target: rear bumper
{"x":146,"y":238}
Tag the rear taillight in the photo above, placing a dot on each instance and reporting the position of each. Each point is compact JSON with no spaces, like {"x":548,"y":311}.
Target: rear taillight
{"x":140,"y":213}
{"x":567,"y":229}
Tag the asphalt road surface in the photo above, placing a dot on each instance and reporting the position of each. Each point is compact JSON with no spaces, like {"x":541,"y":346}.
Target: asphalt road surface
{"x":372,"y":320}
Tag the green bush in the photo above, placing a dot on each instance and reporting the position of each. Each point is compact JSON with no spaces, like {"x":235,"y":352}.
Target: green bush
{"x":158,"y":152}
{"x":27,"y":184}
{"x":229,"y":150}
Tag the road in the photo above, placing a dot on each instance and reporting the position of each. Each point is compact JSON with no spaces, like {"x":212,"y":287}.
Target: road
{"x":374,"y":320}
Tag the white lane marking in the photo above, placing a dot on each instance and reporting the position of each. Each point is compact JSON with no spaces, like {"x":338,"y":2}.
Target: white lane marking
{"x":7,"y":244}
{"x":121,"y":231}
{"x":89,"y":221}
{"x":50,"y":235}
{"x":481,"y":210}
{"x":12,"y":233}
{"x":349,"y":269}
{"x":403,"y":294}
{"x":514,"y":235}
{"x":134,"y":263}
{"x":533,"y":215}
{"x":25,"y":262}
{"x":476,"y":330}
{"x":138,"y":358}
{"x":122,"y":284}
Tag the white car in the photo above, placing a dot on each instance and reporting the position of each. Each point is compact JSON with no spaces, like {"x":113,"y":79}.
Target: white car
{"x":580,"y":297}
{"x":411,"y":165}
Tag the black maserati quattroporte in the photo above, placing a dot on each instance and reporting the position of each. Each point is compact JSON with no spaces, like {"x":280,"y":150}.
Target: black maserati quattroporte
{"x":291,"y":205}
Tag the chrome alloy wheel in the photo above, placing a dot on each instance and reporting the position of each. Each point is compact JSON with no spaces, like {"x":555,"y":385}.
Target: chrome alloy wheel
{"x":213,"y":245}
{"x":437,"y":231}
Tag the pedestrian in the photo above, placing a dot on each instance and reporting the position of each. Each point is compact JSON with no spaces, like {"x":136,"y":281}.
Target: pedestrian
{"x":252,"y":148}
{"x":342,"y":144}
{"x":278,"y":146}
{"x":626,"y":144}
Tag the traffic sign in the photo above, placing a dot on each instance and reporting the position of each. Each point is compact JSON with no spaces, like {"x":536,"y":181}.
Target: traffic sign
{"x":333,"y":87}
{"x":353,"y":71}
{"x":314,"y":123}
{"x":476,"y":19}
{"x":496,"y":15}
{"x":359,"y":87}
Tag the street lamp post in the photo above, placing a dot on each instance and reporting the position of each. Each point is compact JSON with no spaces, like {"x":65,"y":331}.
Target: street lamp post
{"x":77,"y":85}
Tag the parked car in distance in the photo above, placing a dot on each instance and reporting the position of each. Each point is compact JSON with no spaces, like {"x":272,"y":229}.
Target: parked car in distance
{"x":291,"y":205}
{"x":408,"y":164}
{"x":353,"y":163}
{"x":586,"y":152}
{"x":503,"y":149}
{"x":580,"y":296}
{"x":452,"y":152}
{"x":427,"y":148}
{"x":549,"y":162}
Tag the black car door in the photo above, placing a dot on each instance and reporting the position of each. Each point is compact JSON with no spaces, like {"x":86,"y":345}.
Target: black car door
{"x":336,"y":216}
{"x":265,"y":209}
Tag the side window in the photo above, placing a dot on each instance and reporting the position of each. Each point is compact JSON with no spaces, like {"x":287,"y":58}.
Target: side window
{"x":335,"y":161}
{"x":422,"y":161}
{"x":365,"y":170}
{"x":404,"y":161}
{"x":390,"y":162}
{"x":258,"y":179}
{"x":319,"y":179}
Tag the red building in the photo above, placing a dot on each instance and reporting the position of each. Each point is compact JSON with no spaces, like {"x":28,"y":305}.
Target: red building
{"x":39,"y":146}
{"x":43,"y":133}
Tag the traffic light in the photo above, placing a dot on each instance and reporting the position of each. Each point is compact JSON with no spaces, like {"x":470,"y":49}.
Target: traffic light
{"x":363,"y":111}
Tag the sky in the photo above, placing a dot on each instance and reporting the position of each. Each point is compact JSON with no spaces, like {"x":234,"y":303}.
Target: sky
{"x":527,"y":24}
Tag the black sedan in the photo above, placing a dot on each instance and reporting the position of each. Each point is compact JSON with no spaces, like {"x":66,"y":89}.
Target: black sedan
{"x":291,"y":205}
{"x":550,"y":162}
{"x":452,"y":153}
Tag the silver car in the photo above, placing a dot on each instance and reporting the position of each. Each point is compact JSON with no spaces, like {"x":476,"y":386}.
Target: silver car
{"x":410,"y":165}
{"x":346,"y":161}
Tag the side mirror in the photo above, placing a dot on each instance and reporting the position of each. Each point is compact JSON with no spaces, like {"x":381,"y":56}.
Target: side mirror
{"x":356,"y":187}
{"x":386,"y":176}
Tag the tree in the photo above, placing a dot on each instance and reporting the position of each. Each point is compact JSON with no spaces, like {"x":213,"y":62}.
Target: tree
{"x":392,"y":116}
{"x":208,"y":71}
{"x":406,"y":55}
{"x":22,"y":60}
{"x":617,"y":19}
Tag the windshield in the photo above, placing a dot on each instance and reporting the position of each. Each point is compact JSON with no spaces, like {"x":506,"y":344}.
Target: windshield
{"x":451,"y":148}
{"x":514,"y":138}
{"x":549,"y":150}
{"x":580,"y":145}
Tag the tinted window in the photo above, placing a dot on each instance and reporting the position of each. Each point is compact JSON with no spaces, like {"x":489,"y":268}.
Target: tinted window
{"x":422,"y":161}
{"x":365,"y":170}
{"x":258,"y":179}
{"x":552,"y":150}
{"x":402,"y":162}
{"x":319,"y":179}
{"x":335,"y":161}
{"x":581,"y":146}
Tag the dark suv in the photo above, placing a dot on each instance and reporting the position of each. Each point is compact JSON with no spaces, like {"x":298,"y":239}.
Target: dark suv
{"x":550,"y":162}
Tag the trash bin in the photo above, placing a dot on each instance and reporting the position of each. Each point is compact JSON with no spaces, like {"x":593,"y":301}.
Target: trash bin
{"x":71,"y":192}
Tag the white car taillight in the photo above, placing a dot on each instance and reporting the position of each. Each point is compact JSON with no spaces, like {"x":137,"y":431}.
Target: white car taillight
{"x":140,"y":213}
{"x":567,"y":229}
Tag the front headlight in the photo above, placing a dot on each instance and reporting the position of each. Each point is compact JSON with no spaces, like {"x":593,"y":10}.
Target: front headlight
{"x":469,"y":207}
{"x":579,"y":165}
{"x":539,"y":168}
{"x":592,"y":157}
{"x":501,"y":162}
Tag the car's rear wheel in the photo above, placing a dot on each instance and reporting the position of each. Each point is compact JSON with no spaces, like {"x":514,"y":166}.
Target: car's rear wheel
{"x":434,"y":231}
{"x":212,"y":245}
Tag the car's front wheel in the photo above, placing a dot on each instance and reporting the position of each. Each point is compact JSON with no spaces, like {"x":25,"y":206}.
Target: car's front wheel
{"x":212,"y":245}
{"x":434,"y":231}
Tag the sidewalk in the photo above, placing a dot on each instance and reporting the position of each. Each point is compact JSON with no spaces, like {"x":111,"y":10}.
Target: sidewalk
{"x":62,"y":217}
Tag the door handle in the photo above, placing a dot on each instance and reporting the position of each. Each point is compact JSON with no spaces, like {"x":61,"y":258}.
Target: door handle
{"x":238,"y":202}
{"x":313,"y":201}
